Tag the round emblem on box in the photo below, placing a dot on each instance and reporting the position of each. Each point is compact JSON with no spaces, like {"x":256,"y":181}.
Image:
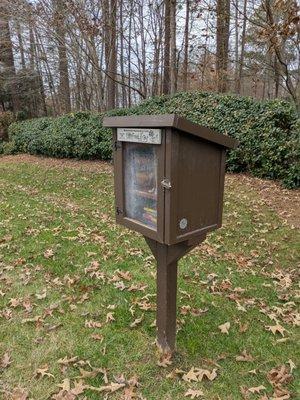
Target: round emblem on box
{"x":183,"y":223}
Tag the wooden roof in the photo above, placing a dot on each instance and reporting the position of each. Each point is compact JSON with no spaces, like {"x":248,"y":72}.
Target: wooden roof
{"x":170,"y":121}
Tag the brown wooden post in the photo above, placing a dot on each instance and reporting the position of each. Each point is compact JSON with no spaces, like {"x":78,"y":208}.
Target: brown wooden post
{"x":167,"y":257}
{"x":166,"y":283}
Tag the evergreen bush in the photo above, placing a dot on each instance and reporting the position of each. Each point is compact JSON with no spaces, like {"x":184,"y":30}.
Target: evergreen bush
{"x":268,"y":132}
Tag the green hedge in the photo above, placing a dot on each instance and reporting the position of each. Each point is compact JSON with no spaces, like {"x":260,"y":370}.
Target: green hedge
{"x":268,"y":132}
{"x":76,"y":135}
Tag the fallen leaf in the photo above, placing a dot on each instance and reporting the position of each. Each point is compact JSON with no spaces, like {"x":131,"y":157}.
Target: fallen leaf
{"x":41,"y":296}
{"x":19,"y":394}
{"x":256,"y":389}
{"x":67,"y":361}
{"x":244,"y":357}
{"x":97,"y":336}
{"x":136,"y":322}
{"x":79,"y":387}
{"x":279,"y":375}
{"x":165,"y":360}
{"x":224,"y":328}
{"x":65,"y":385}
{"x":5,"y":361}
{"x":113,"y":387}
{"x":41,"y":372}
{"x":91,"y":374}
{"x":110,"y":317}
{"x":190,"y":376}
{"x":243,"y":327}
{"x":276,"y":328}
{"x":93,"y":324}
{"x":197,"y":375}
{"x":292,"y":365}
{"x":193,"y":394}
{"x":49,"y":253}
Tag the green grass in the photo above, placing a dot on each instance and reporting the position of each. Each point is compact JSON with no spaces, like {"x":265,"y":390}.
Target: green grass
{"x":71,"y":213}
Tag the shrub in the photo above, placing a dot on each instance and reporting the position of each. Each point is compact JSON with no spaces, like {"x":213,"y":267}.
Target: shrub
{"x":268,"y":132}
{"x":75,"y":135}
{"x":6,"y":118}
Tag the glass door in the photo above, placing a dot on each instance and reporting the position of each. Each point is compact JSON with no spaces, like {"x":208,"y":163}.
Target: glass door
{"x":141,"y":183}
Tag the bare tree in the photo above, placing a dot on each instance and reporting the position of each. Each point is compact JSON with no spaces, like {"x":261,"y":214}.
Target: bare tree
{"x":223,"y":21}
{"x":167,"y":37}
{"x":64,"y":85}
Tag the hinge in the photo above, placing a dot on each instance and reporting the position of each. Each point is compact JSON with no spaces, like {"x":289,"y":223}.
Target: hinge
{"x":166,"y":184}
{"x":117,"y":145}
{"x":119,"y":211}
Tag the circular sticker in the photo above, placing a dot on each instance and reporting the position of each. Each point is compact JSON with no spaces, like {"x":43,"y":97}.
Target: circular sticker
{"x":183,"y":223}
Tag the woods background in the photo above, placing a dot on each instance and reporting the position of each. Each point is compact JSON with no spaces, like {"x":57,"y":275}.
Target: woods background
{"x":58,"y":56}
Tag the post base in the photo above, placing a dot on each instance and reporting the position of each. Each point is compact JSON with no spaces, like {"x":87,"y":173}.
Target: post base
{"x":166,"y":280}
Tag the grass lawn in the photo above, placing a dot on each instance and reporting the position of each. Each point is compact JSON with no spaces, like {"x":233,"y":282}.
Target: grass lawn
{"x":77,"y":298}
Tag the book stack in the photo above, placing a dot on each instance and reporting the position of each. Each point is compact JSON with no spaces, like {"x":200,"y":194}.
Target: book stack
{"x":150,"y":216}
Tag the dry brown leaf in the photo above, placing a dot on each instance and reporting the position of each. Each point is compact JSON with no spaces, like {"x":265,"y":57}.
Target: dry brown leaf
{"x":91,"y":374}
{"x":110,"y":317}
{"x":292,"y":365}
{"x":175,"y":372}
{"x":33,"y":319}
{"x":137,"y":321}
{"x":19,"y":394}
{"x":5,"y":361}
{"x":49,"y":253}
{"x":129,"y":393}
{"x":42,"y":295}
{"x":190,"y":376}
{"x":243,"y":327}
{"x":244,"y":357}
{"x":194,"y":394}
{"x":65,"y":385}
{"x":14,"y":302}
{"x":97,"y":336}
{"x":279,"y":375}
{"x":276,"y":328}
{"x":125,"y":275}
{"x":67,"y":361}
{"x":256,"y":389}
{"x":209,"y":375}
{"x":165,"y":360}
{"x":79,"y":387}
{"x":93,"y":324}
{"x":224,"y":328}
{"x":113,"y":387}
{"x":41,"y":372}
{"x":197,"y":375}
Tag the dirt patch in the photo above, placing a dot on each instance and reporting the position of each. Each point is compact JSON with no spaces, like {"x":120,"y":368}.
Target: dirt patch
{"x":286,"y":203}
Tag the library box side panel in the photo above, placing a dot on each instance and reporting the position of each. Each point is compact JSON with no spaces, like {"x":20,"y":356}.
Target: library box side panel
{"x":197,"y":196}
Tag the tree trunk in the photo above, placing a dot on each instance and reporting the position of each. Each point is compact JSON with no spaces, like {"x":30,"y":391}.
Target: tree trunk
{"x":173,"y":60}
{"x":243,"y":40}
{"x":64,"y":85}
{"x":223,"y":20}
{"x":7,"y":57}
{"x":186,"y":47}
{"x":166,"y":71}
{"x":111,"y":53}
{"x":21,"y":46}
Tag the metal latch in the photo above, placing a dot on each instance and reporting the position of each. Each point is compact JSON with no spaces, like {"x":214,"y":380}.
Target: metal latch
{"x":119,"y":211}
{"x":166,"y":184}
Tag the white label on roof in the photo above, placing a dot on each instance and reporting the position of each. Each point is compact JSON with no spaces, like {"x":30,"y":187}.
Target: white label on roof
{"x":139,"y":135}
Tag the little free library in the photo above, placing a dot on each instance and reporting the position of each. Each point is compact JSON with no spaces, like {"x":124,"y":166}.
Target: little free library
{"x":169,"y":184}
